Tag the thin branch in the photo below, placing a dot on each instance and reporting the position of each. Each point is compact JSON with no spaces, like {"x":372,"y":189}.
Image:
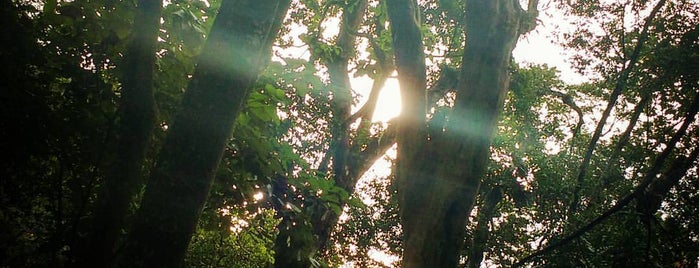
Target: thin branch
{"x":385,"y":67}
{"x":447,"y":81}
{"x":568,"y":100}
{"x":647,"y":180}
{"x":620,"y":86}
{"x":375,"y":148}
{"x":624,"y":139}
{"x":369,"y":107}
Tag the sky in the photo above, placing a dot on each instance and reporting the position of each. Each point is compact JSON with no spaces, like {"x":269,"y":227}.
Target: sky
{"x":538,"y":47}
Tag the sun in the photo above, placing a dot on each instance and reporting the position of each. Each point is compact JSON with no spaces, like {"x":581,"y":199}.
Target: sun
{"x":389,"y":103}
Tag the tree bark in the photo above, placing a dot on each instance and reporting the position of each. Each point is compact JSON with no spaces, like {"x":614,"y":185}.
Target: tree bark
{"x":437,"y":196}
{"x":137,"y":114}
{"x":237,"y":48}
{"x":410,"y":177}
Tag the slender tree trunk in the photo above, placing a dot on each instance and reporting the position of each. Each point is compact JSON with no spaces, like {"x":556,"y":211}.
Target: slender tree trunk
{"x":410,"y":64}
{"x":437,"y":195}
{"x":349,"y":159}
{"x":237,"y":48}
{"x":136,"y":120}
{"x":324,"y":220}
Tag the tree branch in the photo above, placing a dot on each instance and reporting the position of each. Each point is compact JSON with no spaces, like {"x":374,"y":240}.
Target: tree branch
{"x":529,"y":17}
{"x":448,"y":79}
{"x":640,"y":189}
{"x":620,"y":86}
{"x":374,"y":149}
{"x":627,"y":132}
{"x":568,"y":100}
{"x":649,"y":201}
{"x":369,"y":107}
{"x":137,"y":116}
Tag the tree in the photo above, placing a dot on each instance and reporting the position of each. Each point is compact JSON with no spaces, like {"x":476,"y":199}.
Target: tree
{"x":439,"y":195}
{"x":236,"y":50}
{"x":136,"y":121}
{"x":350,"y":151}
{"x":59,"y":117}
{"x":632,"y":167}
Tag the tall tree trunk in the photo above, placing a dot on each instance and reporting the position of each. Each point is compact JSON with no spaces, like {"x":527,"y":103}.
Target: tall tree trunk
{"x":137,"y":114}
{"x":437,"y":196}
{"x":237,"y":49}
{"x":411,"y":139}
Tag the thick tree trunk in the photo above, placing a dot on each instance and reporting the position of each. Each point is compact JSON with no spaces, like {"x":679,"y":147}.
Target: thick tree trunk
{"x":237,"y":49}
{"x":411,"y":139}
{"x":437,"y":196}
{"x":136,"y":121}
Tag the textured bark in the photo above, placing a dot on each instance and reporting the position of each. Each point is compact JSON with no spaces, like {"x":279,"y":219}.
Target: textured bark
{"x":236,"y":50}
{"x":136,"y":120}
{"x":436,"y":196}
{"x":410,"y":177}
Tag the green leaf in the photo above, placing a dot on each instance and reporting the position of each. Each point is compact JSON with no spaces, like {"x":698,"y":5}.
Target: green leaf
{"x":356,"y":202}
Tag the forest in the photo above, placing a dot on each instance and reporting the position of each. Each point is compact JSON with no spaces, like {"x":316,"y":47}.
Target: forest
{"x":235,"y":133}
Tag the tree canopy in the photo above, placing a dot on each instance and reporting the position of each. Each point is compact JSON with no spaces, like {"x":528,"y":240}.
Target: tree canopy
{"x":242,"y":133}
